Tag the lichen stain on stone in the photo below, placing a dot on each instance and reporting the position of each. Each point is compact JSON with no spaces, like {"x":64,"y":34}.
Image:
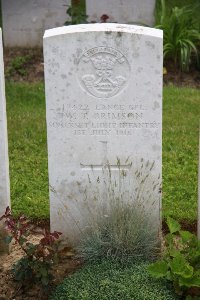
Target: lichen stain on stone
{"x":150,"y":44}
{"x":119,"y":34}
{"x":135,"y":55}
{"x":65,"y":207}
{"x":108,"y":32}
{"x":139,"y":69}
{"x":63,"y":76}
{"x":156,"y":105}
{"x":156,"y":148}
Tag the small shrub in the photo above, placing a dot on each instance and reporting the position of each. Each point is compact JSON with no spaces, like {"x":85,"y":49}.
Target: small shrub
{"x":181,"y":260}
{"x":122,"y":225}
{"x":36,"y":265}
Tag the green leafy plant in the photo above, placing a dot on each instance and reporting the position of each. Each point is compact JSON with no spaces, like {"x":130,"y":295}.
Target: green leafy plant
{"x":181,"y":260}
{"x":18,"y":65}
{"x":39,"y":258}
{"x":76,"y":12}
{"x":181,"y":35}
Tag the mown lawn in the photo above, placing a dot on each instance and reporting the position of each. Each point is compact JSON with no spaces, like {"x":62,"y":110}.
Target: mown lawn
{"x":181,"y":115}
{"x":28,"y":150}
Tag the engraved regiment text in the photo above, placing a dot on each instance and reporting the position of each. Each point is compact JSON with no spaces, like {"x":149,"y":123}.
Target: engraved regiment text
{"x":101,"y":119}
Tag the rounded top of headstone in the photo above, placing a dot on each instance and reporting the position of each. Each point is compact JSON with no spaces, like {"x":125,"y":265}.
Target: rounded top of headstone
{"x":107,"y":27}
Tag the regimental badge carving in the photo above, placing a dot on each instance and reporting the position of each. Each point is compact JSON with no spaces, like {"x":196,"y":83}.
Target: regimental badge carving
{"x":103,"y":72}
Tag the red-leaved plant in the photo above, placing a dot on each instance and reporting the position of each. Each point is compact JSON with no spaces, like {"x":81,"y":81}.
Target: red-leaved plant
{"x":36,"y":264}
{"x":104,"y":18}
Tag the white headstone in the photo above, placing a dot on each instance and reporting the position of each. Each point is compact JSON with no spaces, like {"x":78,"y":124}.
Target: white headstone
{"x":4,"y":165}
{"x":103,"y":87}
{"x":126,"y":11}
{"x":24,"y":21}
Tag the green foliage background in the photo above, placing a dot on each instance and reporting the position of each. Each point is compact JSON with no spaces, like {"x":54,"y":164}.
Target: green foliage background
{"x":172,"y":3}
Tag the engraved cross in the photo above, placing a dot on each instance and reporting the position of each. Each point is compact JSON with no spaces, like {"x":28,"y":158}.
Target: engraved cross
{"x":105,"y":163}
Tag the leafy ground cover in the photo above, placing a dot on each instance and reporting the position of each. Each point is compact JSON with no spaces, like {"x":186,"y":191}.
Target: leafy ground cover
{"x":113,"y":281}
{"x":179,"y":262}
{"x":28,"y":150}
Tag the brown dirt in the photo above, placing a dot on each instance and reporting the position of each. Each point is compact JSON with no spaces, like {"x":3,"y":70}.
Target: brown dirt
{"x":10,"y":289}
{"x":172,"y":76}
{"x":185,"y":225}
{"x":24,"y":64}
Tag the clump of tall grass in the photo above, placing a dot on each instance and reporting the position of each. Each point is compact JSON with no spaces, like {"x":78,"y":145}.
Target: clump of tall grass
{"x":126,"y":222}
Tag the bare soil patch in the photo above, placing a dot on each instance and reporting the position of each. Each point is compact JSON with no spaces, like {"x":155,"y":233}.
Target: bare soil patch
{"x":10,"y":289}
{"x":190,"y":79}
{"x":24,"y":64}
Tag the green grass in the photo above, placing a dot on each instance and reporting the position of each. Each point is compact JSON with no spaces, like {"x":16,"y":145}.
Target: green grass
{"x":28,"y":150}
{"x":181,"y":114}
{"x":110,"y":280}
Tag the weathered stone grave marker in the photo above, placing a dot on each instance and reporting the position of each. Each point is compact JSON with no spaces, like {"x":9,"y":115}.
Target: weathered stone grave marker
{"x":103,"y":87}
{"x":24,"y":21}
{"x":4,"y":165}
{"x":126,"y":11}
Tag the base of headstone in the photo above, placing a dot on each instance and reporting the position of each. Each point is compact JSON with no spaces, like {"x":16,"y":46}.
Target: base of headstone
{"x":4,"y":247}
